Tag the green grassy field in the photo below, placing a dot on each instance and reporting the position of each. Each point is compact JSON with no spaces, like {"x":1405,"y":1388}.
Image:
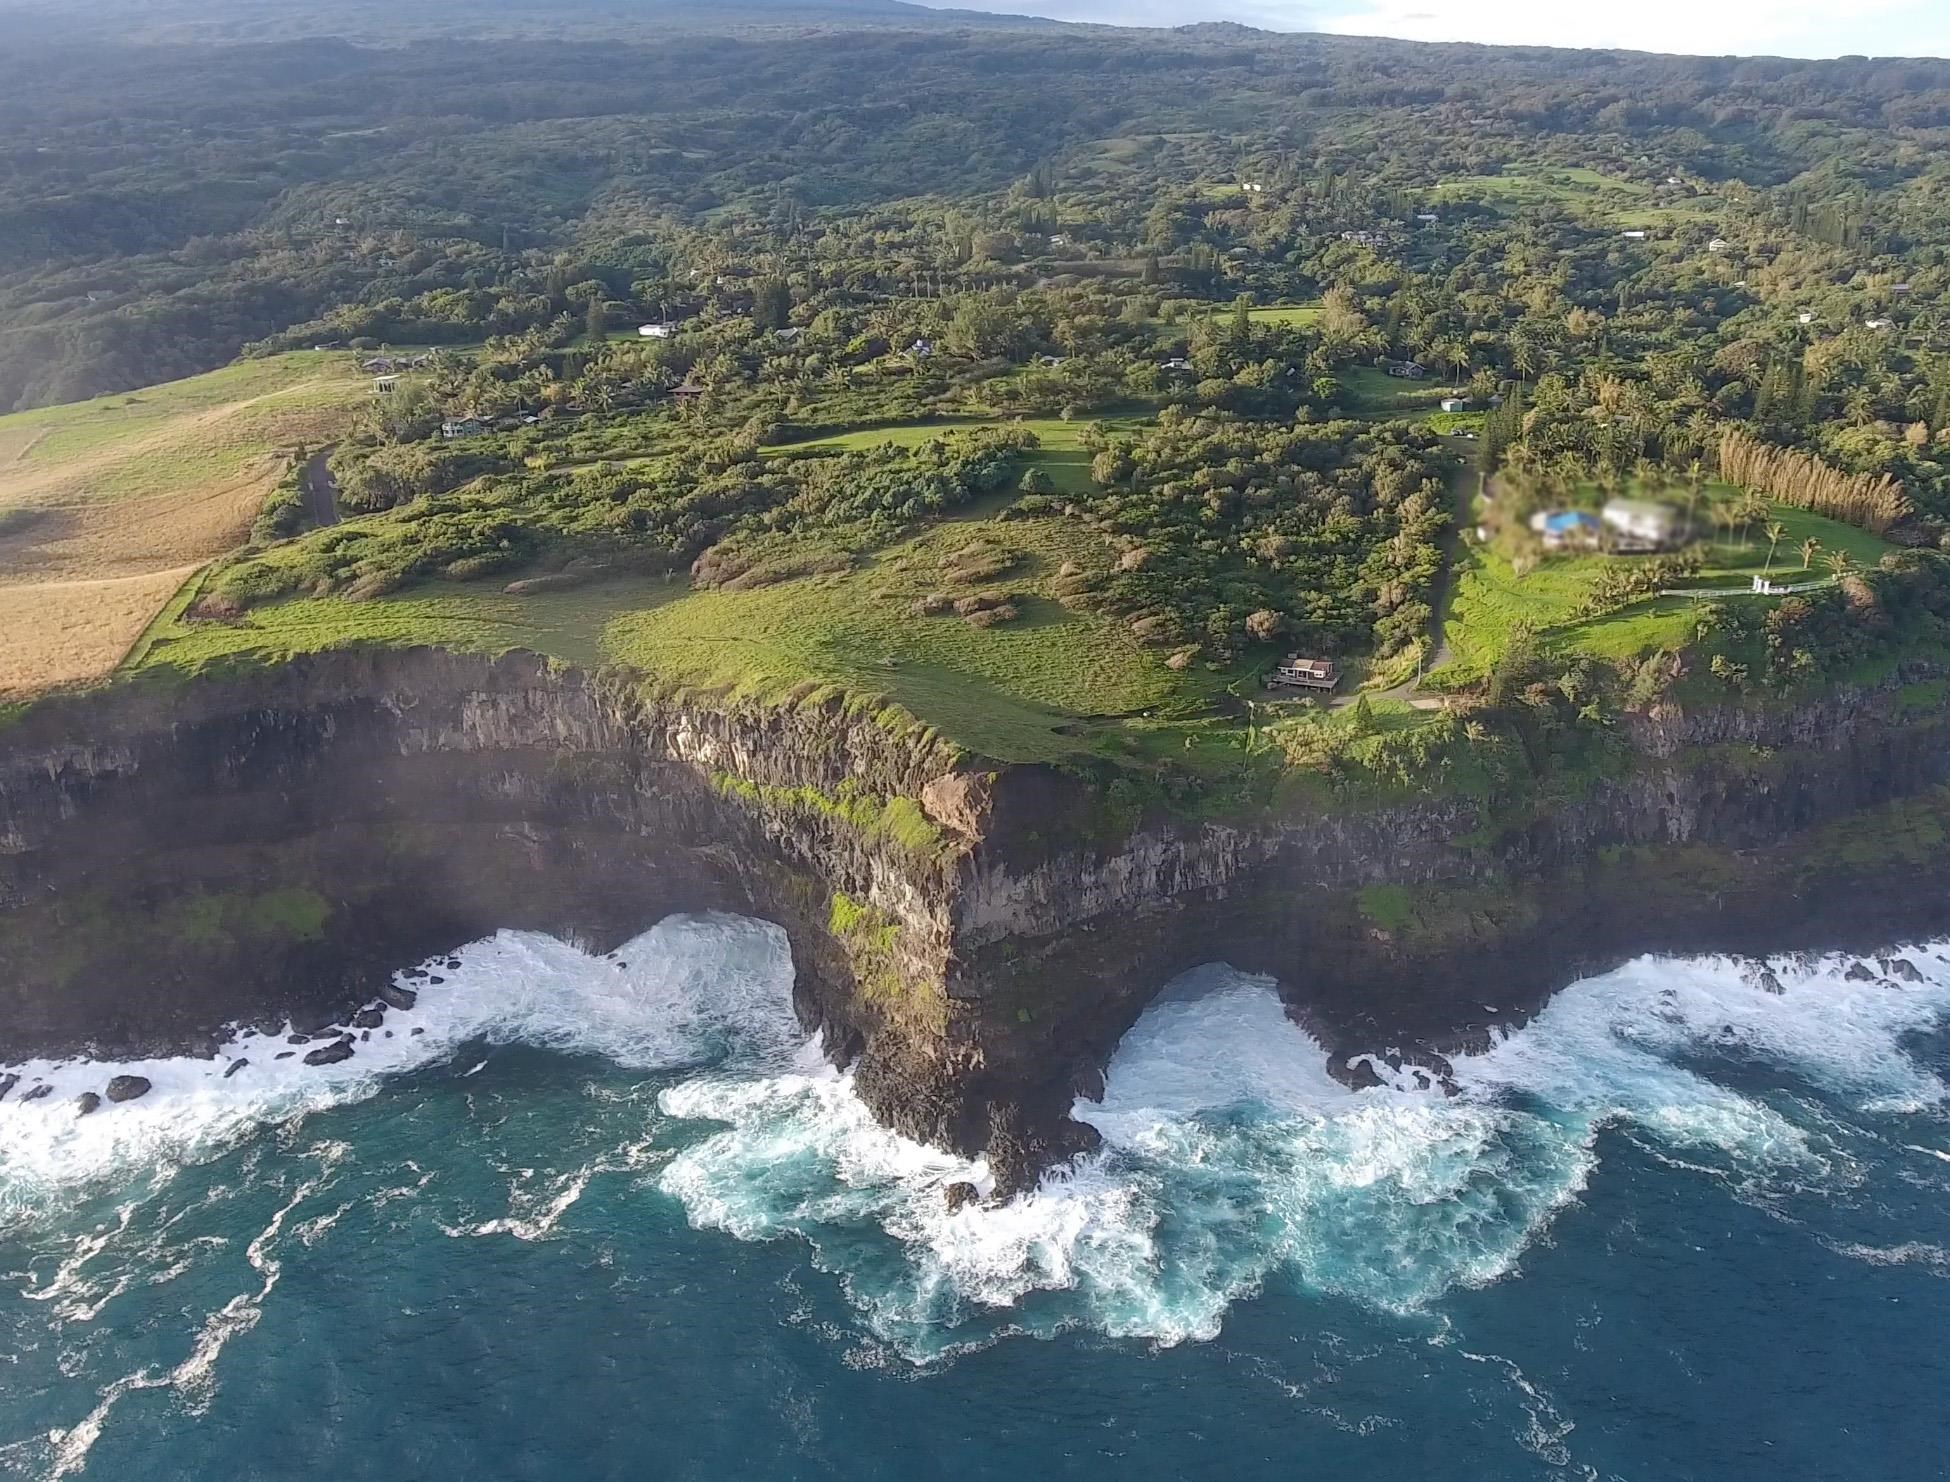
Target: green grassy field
{"x":1372,"y":392}
{"x":1060,"y":455}
{"x":1023,"y":691}
{"x":179,"y":435}
{"x":1491,"y":601}
{"x":1623,"y":203}
{"x":1288,"y":314}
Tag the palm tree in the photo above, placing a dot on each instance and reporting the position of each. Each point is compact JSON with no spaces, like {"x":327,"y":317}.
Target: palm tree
{"x":1840,"y":564}
{"x":1775,"y":533}
{"x":1810,"y":548}
{"x":1523,"y":359}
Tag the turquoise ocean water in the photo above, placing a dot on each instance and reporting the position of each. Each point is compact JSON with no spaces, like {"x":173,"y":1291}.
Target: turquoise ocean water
{"x":610,"y":1217}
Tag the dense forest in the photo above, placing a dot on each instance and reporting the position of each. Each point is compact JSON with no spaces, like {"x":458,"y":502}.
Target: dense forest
{"x":176,"y":182}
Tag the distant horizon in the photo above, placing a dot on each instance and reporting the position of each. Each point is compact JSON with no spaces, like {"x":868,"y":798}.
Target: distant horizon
{"x":1807,"y":29}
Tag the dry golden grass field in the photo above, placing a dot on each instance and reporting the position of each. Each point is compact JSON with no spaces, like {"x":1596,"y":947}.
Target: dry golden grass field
{"x":108,"y":506}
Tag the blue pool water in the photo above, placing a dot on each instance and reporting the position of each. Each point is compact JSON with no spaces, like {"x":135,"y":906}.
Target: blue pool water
{"x":607,"y":1217}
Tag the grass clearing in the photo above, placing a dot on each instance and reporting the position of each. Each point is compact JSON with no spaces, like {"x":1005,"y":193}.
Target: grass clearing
{"x":1626,"y":204}
{"x":1022,"y":691}
{"x":1061,"y":454}
{"x":1291,"y":315}
{"x":1372,"y":392}
{"x":1492,"y":602}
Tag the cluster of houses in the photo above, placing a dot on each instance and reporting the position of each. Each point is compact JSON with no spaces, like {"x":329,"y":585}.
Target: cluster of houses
{"x":387,"y":365}
{"x":1628,"y":526}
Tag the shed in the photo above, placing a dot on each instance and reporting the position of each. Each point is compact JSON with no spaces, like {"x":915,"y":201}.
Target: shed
{"x":1298,"y":672}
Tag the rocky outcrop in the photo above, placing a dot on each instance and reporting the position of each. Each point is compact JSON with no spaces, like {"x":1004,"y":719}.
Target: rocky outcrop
{"x":270,"y":845}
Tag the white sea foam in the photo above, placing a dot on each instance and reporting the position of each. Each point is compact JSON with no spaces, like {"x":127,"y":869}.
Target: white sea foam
{"x":692,"y":989}
{"x":1231,"y":1157}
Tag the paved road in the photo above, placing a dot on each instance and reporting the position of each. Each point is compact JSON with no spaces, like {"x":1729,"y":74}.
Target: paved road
{"x":322,"y":489}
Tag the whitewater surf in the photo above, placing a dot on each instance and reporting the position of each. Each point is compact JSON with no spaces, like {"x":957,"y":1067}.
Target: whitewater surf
{"x":1235,"y":1164}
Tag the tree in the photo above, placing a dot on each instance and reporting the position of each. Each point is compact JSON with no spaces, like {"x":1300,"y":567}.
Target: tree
{"x":1776,"y":532}
{"x":1810,"y":548}
{"x":598,"y":321}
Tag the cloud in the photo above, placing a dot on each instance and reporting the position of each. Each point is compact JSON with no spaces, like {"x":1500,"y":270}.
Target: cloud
{"x":1803,"y":28}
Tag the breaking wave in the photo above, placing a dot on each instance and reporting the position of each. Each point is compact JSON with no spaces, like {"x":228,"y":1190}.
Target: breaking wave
{"x":1232,"y":1159}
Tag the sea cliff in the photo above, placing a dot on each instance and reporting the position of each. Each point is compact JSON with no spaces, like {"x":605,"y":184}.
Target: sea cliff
{"x":270,"y":844}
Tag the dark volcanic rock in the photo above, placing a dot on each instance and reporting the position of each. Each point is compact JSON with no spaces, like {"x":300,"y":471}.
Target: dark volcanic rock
{"x":395,"y":997}
{"x":128,"y":1087}
{"x":1768,"y":983}
{"x":435,"y":978}
{"x":418,"y":1030}
{"x":1903,"y":970}
{"x":1859,"y":972}
{"x":86,"y":1102}
{"x":368,"y":1018}
{"x":1356,"y":1072}
{"x":236,"y":1065}
{"x":7,"y":1083}
{"x":960,"y":1195}
{"x":297,"y":1039}
{"x":284,"y":1054}
{"x":337,"y":1050}
{"x":38,"y":1092}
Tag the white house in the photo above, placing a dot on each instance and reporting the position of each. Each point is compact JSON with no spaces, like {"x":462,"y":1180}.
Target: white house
{"x":1455,"y":403}
{"x":1875,"y":324}
{"x":1634,"y":235}
{"x":656,"y":331}
{"x":1641,"y":524}
{"x":788,"y":335}
{"x":1806,"y":316}
{"x":1427,"y":218}
{"x":1718,"y":244}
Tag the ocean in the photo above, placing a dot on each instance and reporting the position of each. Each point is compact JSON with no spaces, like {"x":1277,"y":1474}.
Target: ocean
{"x":613,"y":1217}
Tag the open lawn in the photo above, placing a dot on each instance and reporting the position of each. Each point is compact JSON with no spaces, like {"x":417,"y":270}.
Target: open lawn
{"x":1621,"y":202}
{"x":1372,"y":392}
{"x":1060,"y":455}
{"x":1492,"y":602}
{"x":106,"y":505}
{"x":1021,"y":691}
{"x":1288,"y":314}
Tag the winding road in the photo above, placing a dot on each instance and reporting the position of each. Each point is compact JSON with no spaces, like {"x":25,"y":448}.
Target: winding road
{"x":321,"y":489}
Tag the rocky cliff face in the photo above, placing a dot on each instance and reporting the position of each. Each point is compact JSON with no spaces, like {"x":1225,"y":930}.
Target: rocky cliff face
{"x":272,"y":845}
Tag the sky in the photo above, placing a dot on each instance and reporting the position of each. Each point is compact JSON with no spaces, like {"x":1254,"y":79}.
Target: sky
{"x":1793,"y":28}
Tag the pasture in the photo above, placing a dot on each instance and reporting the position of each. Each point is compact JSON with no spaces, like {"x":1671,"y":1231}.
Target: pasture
{"x":106,"y":506}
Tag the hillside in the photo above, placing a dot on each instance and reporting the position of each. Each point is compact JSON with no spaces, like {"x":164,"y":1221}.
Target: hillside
{"x":107,"y":506}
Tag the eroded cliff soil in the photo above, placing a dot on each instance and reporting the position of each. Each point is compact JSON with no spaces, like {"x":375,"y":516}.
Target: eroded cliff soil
{"x":272,"y":845}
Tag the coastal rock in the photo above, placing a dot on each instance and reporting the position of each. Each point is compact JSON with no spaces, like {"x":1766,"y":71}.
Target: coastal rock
{"x":1904,"y":971}
{"x":38,"y":1092}
{"x":1765,"y":980}
{"x":7,"y":1083}
{"x":368,"y":1018}
{"x":395,"y":997}
{"x":1356,"y":1072}
{"x":337,"y":1050}
{"x":957,"y":801}
{"x":236,"y":1065}
{"x":297,"y":1039}
{"x":86,"y":1102}
{"x":960,"y":1195}
{"x":1859,"y":972}
{"x":284,"y":1054}
{"x":128,"y":1087}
